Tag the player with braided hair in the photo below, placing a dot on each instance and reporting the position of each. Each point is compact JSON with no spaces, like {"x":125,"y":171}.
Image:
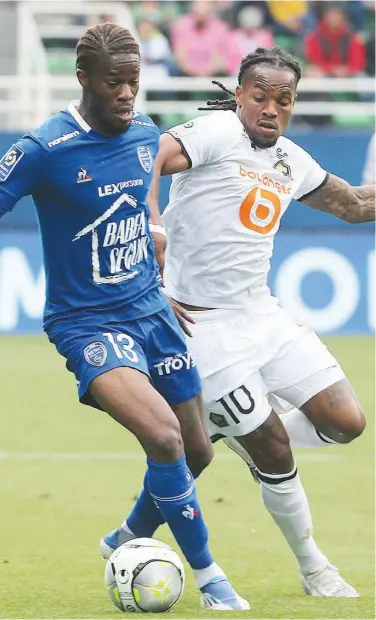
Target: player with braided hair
{"x":234,"y":175}
{"x":221,"y":104}
{"x":107,"y":39}
{"x":275,"y":57}
{"x":105,"y":312}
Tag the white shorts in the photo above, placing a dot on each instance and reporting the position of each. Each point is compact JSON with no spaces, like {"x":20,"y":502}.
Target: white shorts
{"x":255,"y":359}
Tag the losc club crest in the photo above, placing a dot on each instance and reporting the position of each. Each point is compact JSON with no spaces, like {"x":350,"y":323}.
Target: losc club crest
{"x":95,"y":354}
{"x":283,"y":168}
{"x":145,"y":158}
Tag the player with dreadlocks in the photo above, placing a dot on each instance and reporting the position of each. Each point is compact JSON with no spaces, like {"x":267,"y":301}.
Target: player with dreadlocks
{"x":105,"y":312}
{"x":234,"y":175}
{"x":275,"y":57}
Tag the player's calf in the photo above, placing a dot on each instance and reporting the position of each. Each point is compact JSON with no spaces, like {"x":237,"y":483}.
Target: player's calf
{"x":198,"y":461}
{"x":197,"y":444}
{"x":285,"y":499}
{"x":282,"y":491}
{"x":269,"y":447}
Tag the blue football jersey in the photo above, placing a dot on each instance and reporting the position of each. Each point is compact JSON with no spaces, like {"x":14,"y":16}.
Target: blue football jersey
{"x":90,"y":195}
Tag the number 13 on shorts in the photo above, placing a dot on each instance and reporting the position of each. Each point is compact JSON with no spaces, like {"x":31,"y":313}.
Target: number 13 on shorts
{"x":123,"y":346}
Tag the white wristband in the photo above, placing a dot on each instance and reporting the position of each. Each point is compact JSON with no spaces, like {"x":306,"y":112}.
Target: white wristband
{"x":158,"y":229}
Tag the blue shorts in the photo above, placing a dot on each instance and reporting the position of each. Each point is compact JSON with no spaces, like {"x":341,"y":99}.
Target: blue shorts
{"x":154,"y":345}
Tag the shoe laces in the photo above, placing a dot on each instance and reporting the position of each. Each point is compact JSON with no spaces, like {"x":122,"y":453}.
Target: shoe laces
{"x":325,"y":575}
{"x":327,"y":579}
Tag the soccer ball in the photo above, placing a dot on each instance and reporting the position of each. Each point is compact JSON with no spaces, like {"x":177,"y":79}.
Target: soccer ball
{"x":144,"y":575}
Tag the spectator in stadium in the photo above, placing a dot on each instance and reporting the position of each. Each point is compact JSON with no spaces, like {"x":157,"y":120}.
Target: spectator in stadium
{"x":197,"y":41}
{"x":292,"y":18}
{"x":334,"y":48}
{"x":162,"y":13}
{"x":228,"y":11}
{"x":250,"y":35}
{"x":155,"y":50}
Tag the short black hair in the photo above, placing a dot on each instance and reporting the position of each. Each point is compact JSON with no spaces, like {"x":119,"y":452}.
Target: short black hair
{"x":103,"y":39}
{"x":275,"y":56}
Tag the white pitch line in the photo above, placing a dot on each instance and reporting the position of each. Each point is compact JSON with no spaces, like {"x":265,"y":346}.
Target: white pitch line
{"x":137,"y":456}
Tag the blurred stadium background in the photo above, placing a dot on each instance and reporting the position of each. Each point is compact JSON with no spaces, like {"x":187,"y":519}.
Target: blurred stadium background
{"x":67,"y":473}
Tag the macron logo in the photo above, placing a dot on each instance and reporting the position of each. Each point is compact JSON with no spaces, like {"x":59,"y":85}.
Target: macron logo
{"x":64,"y":138}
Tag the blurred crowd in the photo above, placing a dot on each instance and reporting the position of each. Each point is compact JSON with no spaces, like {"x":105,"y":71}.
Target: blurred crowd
{"x":209,"y":38}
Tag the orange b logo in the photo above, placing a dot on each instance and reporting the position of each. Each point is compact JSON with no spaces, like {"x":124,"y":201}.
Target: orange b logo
{"x":260,"y":213}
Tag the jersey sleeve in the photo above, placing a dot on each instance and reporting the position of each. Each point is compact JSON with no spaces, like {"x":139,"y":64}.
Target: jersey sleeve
{"x":204,"y":139}
{"x":314,"y":176}
{"x":20,"y":171}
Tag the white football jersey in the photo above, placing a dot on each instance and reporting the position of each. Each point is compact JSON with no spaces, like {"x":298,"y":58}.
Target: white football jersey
{"x":224,"y":211}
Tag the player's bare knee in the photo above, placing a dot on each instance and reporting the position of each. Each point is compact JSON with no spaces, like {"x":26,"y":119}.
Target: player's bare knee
{"x":165,"y":444}
{"x":336,"y":412}
{"x":354,"y":423}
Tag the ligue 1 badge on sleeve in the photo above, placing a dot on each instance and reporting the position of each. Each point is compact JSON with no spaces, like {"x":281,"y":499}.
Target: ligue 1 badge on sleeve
{"x":10,"y":161}
{"x":145,"y":158}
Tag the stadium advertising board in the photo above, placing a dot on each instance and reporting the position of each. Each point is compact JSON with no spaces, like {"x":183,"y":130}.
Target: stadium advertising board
{"x":326,"y":280}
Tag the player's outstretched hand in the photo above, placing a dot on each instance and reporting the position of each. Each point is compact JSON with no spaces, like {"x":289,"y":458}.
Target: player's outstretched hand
{"x":182,"y":316}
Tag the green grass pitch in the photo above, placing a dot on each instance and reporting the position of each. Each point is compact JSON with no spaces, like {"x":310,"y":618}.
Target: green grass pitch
{"x":68,"y":474}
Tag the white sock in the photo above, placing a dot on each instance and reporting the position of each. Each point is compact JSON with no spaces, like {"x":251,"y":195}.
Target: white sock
{"x":204,"y":575}
{"x":124,"y":526}
{"x":287,"y":503}
{"x":301,"y":431}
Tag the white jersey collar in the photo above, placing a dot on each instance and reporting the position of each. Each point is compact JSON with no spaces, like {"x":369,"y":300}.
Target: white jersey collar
{"x":73,"y":110}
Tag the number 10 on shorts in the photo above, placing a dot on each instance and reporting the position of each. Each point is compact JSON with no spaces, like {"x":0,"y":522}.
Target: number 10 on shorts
{"x":123,"y":345}
{"x":231,"y":408}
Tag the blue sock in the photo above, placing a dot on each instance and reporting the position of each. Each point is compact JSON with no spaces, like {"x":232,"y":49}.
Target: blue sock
{"x":172,"y":488}
{"x":145,"y":516}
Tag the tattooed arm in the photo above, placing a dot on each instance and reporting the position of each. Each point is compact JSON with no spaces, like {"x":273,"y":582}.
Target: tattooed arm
{"x":348,"y":203}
